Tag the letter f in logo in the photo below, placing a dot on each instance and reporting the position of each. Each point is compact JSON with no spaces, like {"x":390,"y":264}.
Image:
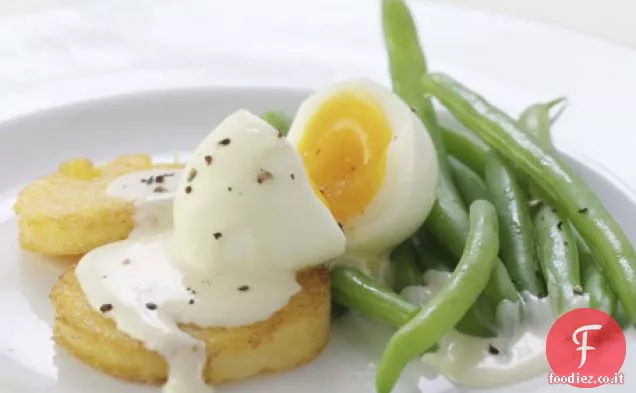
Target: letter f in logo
{"x":583,"y":344}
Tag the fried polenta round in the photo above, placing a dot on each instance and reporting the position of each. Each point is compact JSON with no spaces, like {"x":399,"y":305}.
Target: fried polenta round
{"x":291,"y":337}
{"x":69,"y":213}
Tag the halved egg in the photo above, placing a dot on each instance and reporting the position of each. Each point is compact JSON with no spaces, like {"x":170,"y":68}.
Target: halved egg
{"x":369,"y":159}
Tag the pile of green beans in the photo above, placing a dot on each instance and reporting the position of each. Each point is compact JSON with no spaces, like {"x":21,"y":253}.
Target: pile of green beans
{"x":453,"y":301}
{"x":553,"y":180}
{"x":510,"y":218}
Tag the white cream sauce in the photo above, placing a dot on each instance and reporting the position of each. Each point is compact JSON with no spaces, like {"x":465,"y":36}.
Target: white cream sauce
{"x":152,"y":192}
{"x":515,"y":355}
{"x":136,"y":281}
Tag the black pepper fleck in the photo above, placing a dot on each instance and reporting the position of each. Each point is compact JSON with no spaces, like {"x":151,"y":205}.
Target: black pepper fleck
{"x":125,"y":262}
{"x":292,"y":176}
{"x":149,"y":180}
{"x":243,"y":288}
{"x":159,"y":189}
{"x":583,"y":211}
{"x":554,"y":210}
{"x":191,"y":301}
{"x":225,"y":142}
{"x":106,"y":307}
{"x":104,"y":276}
{"x":151,"y":306}
{"x":560,"y":225}
{"x":229,"y":189}
{"x":577,"y":290}
{"x":412,"y":109}
{"x":188,"y":189}
{"x":341,"y":226}
{"x":192,"y":174}
{"x":159,"y":179}
{"x":263,"y":176}
{"x":208,"y":159}
{"x":493,"y":350}
{"x":217,"y":235}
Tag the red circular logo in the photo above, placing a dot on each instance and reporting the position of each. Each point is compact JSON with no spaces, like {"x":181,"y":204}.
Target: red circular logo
{"x":585,"y":348}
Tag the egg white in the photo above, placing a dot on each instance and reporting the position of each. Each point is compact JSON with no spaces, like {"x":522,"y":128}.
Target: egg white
{"x":409,"y":189}
{"x":227,"y":214}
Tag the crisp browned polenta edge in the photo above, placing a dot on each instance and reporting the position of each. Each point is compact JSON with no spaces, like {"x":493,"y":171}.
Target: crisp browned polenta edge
{"x":292,"y":336}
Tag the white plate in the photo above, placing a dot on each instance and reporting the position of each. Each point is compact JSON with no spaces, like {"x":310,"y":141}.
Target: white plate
{"x":165,"y":123}
{"x":72,"y":56}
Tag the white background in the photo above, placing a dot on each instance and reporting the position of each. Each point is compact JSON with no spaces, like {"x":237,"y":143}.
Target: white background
{"x":609,"y":19}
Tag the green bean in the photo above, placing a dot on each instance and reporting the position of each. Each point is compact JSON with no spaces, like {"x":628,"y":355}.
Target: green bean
{"x":448,"y":219}
{"x":560,"y":263}
{"x":559,"y":185}
{"x":354,"y":289}
{"x":406,"y":272}
{"x":407,"y":64}
{"x":467,"y":147}
{"x":594,"y":282}
{"x":558,"y":258}
{"x":278,"y":120}
{"x":516,"y":238}
{"x":470,"y":185}
{"x":479,"y":321}
{"x":451,"y":231}
{"x":446,"y":308}
{"x":537,"y":121}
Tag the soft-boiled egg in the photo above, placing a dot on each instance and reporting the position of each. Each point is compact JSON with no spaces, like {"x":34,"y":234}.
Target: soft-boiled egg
{"x":369,"y":159}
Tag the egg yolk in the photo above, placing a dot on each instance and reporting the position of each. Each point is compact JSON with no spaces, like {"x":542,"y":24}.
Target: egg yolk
{"x":344,"y":148}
